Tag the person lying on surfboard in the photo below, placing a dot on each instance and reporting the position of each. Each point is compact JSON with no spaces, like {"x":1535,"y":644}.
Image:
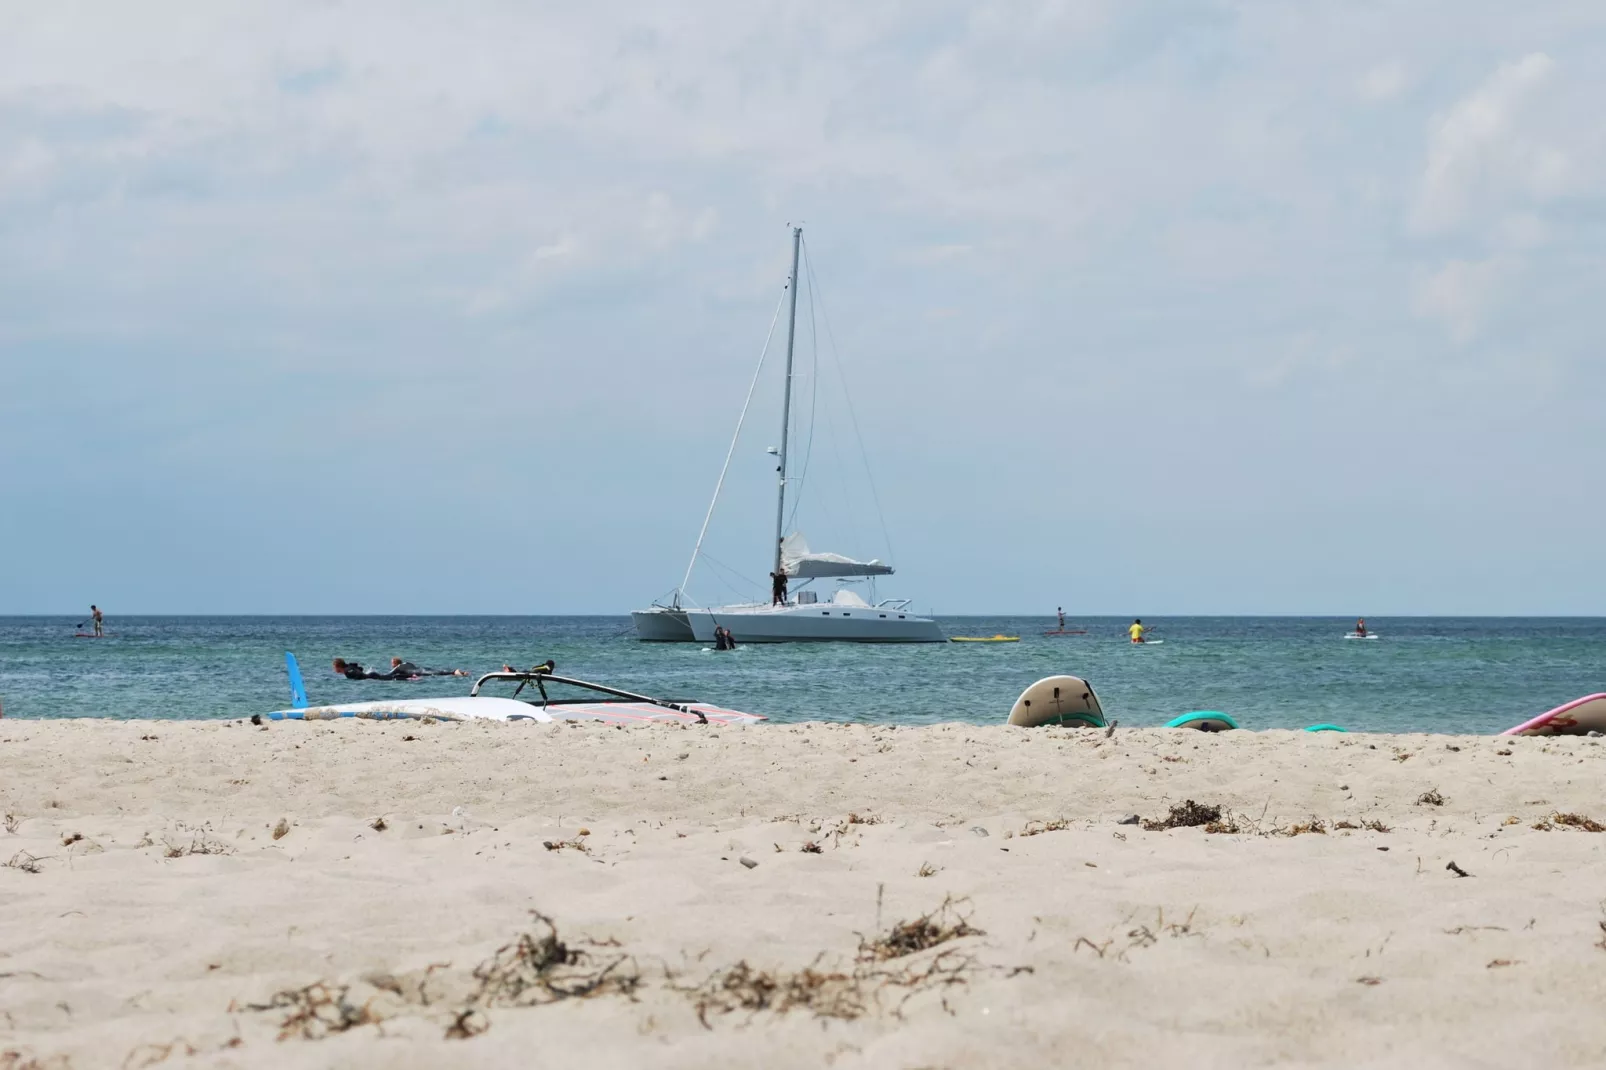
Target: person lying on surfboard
{"x":410,"y":670}
{"x":352,"y":670}
{"x":1136,"y":631}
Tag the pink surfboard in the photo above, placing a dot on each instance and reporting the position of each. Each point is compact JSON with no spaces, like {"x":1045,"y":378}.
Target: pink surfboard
{"x":1576,"y":718}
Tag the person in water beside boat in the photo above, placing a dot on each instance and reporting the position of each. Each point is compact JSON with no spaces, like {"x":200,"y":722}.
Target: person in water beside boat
{"x":723,"y":639}
{"x":1136,"y":631}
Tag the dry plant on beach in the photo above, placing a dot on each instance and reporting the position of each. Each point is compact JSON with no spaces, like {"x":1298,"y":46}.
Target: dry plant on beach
{"x":538,"y":967}
{"x":200,"y":844}
{"x":12,"y":822}
{"x":22,"y":1059}
{"x":950,"y":921}
{"x":318,"y":1010}
{"x":1578,"y":821}
{"x":573,"y":845}
{"x":1185,"y":815}
{"x":1431,"y":797}
{"x":889,"y":962}
{"x":1314,"y":825}
{"x":1037,"y":828}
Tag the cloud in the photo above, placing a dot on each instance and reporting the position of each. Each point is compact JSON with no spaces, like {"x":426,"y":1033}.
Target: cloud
{"x":1482,"y":148}
{"x":1382,"y":82}
{"x":1462,"y":293}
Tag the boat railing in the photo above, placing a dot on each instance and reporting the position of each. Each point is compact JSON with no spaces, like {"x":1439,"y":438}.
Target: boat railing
{"x":894,"y":603}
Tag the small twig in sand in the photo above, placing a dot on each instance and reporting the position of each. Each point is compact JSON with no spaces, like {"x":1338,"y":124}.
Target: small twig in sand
{"x":12,"y":822}
{"x":24,"y":861}
{"x":1457,"y":870}
{"x":558,"y":845}
{"x":1431,"y":797}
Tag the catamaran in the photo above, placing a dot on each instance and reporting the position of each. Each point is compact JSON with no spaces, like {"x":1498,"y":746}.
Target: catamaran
{"x":800,"y":614}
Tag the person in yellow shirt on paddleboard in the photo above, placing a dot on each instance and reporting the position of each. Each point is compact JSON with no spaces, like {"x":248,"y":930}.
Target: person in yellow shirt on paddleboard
{"x":1136,"y":631}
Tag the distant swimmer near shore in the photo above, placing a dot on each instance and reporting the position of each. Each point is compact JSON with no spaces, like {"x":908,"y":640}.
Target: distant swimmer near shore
{"x":1136,"y":631}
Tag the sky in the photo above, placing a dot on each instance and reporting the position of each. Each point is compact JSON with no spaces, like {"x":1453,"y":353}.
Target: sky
{"x":1145,"y":308}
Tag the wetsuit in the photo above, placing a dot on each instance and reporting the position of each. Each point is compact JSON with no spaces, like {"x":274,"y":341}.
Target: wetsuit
{"x":354,"y":671}
{"x":408,"y":669}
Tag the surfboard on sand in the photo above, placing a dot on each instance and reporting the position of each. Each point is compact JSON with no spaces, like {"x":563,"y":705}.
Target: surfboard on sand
{"x":1204,"y":721}
{"x":1063,"y":700}
{"x":1576,"y":718}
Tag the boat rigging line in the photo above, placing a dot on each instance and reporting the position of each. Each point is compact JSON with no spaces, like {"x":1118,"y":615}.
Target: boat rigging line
{"x":698,"y":549}
{"x":847,"y":396}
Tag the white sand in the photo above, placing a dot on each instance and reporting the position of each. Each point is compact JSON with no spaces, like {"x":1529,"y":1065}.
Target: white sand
{"x":1176,"y":948}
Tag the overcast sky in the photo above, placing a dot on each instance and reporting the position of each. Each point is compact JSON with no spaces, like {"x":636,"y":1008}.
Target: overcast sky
{"x":1147,"y":308}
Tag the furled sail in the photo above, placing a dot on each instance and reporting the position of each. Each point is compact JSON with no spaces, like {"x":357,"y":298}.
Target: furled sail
{"x":799,"y":562}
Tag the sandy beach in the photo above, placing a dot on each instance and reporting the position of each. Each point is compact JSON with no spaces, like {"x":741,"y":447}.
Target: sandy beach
{"x":421,"y":895}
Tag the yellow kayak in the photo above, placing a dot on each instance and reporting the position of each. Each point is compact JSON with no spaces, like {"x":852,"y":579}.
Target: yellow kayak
{"x":984,"y":639}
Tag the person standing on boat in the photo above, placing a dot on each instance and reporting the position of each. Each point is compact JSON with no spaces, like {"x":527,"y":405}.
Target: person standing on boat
{"x":100,"y":621}
{"x":778,"y":587}
{"x":1136,"y":631}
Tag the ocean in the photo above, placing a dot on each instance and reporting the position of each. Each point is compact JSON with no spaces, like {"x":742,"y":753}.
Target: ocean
{"x":1424,"y":674}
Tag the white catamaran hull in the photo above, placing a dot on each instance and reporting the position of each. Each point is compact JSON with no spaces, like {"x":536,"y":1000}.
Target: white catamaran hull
{"x":661,"y":625}
{"x":818,"y":623}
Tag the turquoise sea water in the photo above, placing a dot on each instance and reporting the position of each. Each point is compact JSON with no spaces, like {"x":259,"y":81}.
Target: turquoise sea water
{"x":1422,"y":675}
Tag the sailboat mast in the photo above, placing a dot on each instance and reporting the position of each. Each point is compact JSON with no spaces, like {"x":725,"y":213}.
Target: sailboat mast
{"x":786,"y":403}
